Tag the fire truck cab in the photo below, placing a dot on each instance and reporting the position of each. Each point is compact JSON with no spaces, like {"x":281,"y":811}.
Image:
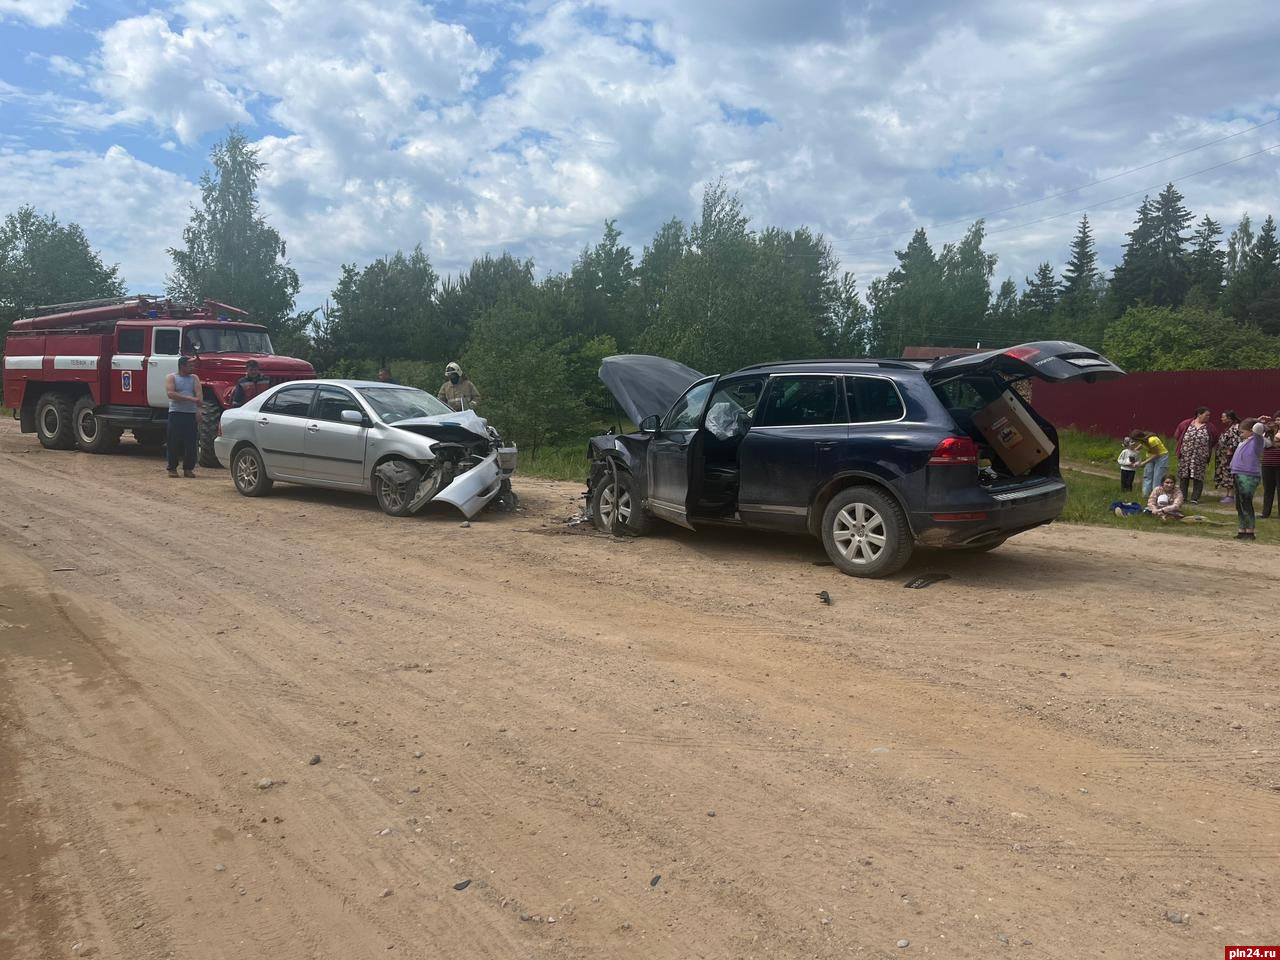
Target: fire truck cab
{"x":81,"y":375}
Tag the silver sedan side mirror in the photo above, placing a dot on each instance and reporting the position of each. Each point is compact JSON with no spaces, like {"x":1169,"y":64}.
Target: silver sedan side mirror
{"x":352,"y":416}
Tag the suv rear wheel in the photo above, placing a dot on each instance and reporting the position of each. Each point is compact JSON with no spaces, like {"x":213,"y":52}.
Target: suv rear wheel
{"x":865,"y":533}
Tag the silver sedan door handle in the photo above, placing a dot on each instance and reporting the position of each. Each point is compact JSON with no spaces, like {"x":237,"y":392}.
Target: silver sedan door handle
{"x":313,"y":428}
{"x":263,"y":420}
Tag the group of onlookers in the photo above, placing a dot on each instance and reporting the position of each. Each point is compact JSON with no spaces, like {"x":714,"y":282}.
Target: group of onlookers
{"x":1244,"y":458}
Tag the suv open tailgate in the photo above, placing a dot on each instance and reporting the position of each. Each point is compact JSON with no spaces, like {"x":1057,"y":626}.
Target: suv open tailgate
{"x":1054,"y":360}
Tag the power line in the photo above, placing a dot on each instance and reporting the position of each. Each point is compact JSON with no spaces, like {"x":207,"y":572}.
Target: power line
{"x":1064,"y":193}
{"x":1134,"y":193}
{"x":1100,"y":203}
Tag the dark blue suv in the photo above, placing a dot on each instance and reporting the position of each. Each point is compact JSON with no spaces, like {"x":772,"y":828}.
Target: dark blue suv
{"x":871,"y":456}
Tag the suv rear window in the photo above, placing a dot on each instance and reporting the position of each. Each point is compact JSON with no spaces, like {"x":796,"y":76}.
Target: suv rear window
{"x":873,"y":400}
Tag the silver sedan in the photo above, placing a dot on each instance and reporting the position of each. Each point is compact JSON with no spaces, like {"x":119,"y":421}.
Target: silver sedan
{"x":399,"y":443}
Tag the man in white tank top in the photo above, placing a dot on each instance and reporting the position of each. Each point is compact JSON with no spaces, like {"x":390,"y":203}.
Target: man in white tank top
{"x":184,"y":392}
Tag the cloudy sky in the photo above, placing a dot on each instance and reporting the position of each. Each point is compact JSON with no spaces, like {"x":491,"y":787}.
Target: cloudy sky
{"x":482,"y":126}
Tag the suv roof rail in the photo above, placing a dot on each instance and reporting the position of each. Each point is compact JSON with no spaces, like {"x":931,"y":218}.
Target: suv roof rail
{"x":889,"y":362}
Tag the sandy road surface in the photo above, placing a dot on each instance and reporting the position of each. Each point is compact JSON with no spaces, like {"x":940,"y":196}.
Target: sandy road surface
{"x":664,"y":748}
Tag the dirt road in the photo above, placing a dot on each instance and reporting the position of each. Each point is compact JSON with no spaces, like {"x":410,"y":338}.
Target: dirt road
{"x":664,"y":748}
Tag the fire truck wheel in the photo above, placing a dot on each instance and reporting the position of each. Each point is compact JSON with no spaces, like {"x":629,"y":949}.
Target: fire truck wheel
{"x":93,"y":434}
{"x":208,"y":430}
{"x":249,"y":472}
{"x":53,"y":421}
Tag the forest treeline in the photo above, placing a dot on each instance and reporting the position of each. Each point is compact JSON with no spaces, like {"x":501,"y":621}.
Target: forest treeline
{"x":716,"y":293}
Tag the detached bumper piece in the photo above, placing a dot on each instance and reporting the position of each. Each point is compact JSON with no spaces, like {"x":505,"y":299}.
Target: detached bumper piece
{"x":472,"y":491}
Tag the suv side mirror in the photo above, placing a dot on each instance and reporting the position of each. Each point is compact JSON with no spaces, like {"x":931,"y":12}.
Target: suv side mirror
{"x":352,"y":416}
{"x":650,"y":424}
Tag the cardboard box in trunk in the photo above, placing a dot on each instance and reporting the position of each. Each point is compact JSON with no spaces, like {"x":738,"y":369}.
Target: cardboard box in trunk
{"x":1014,"y":436}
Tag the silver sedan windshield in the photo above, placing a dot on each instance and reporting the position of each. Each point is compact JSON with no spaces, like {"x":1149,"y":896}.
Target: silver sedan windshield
{"x":394,"y":404}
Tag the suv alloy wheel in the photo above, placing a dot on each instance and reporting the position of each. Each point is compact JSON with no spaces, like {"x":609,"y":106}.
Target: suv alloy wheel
{"x":865,"y":533}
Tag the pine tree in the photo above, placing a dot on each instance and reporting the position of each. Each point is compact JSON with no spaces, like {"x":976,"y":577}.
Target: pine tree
{"x":1170,"y":274}
{"x":1038,"y":300}
{"x":1253,"y":291}
{"x":1079,"y":278}
{"x":1239,"y":246}
{"x":1206,"y":263}
{"x":906,"y":302}
{"x":1133,"y":278}
{"x":1002,"y":315}
{"x":965,"y":292}
{"x":1265,"y":309}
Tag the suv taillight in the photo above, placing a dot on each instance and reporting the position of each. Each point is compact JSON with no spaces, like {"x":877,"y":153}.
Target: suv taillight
{"x":955,"y":451}
{"x":1024,"y":352}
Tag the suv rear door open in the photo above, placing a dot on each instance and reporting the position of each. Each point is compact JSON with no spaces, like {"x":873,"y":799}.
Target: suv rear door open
{"x":1053,"y":360}
{"x":975,"y":389}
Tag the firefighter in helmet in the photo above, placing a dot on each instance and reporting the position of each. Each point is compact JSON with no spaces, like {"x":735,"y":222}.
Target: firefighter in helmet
{"x":457,"y":391}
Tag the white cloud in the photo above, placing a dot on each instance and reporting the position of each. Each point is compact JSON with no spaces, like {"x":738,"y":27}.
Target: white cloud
{"x":131,"y":211}
{"x":386,"y":126}
{"x":39,"y":13}
{"x":321,"y":67}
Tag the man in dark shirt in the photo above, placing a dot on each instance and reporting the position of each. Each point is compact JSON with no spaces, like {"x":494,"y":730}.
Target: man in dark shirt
{"x":250,"y":385}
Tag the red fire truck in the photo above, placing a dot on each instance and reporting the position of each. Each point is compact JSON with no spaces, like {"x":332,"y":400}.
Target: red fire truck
{"x":83,"y":374}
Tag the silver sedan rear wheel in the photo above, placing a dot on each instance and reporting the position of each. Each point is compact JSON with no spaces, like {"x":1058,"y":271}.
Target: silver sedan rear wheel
{"x":249,"y":473}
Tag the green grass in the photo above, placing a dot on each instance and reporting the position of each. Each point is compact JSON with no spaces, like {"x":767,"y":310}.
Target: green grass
{"x":1089,"y":501}
{"x":566,"y":461}
{"x":1089,"y":497}
{"x":1091,"y":448}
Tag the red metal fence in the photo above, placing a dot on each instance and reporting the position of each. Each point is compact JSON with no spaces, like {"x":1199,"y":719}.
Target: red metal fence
{"x":1156,"y":401}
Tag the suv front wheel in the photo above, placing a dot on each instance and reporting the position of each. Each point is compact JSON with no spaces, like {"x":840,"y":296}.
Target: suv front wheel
{"x":620,"y":510}
{"x":865,"y":533}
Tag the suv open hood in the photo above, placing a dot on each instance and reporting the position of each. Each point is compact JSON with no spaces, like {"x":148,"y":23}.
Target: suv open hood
{"x":645,"y":386}
{"x":1054,"y":360}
